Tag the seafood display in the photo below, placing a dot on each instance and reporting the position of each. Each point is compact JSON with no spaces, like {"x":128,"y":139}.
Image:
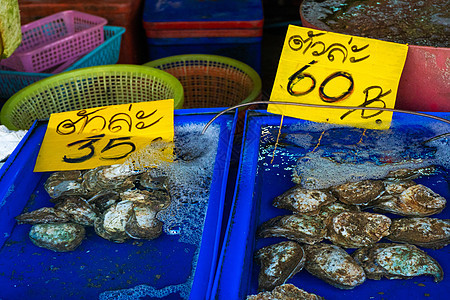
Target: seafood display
{"x":107,"y":198}
{"x":338,"y":215}
{"x":285,"y":292}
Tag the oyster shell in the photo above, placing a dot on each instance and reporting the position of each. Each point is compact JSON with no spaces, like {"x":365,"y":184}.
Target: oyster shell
{"x":285,"y":291}
{"x":303,"y":201}
{"x":397,"y":261}
{"x":357,"y":229}
{"x":424,"y":232}
{"x":58,"y":237}
{"x":279,"y":262}
{"x":102,"y":178}
{"x":104,"y":199}
{"x":143,"y":223}
{"x":396,"y":187}
{"x":333,"y":265}
{"x":412,"y":173}
{"x":43,"y":215}
{"x":64,"y":183}
{"x":78,"y":209}
{"x":299,"y":228}
{"x":358,"y":193}
{"x":111,"y":224}
{"x":153,"y":179}
{"x":156,"y":199}
{"x":415,"y":201}
{"x":334,"y":208}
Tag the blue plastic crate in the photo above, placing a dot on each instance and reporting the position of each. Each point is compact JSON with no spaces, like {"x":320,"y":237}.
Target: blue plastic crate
{"x":105,"y":54}
{"x":99,"y":266}
{"x":227,"y":28}
{"x":260,"y":180}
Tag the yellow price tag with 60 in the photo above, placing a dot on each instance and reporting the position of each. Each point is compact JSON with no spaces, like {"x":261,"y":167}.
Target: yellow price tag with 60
{"x":325,"y":68}
{"x":89,"y":138}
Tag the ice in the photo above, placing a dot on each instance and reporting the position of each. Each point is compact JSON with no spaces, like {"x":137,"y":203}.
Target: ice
{"x":189,"y":180}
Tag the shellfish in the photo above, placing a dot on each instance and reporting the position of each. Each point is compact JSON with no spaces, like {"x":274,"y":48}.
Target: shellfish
{"x":303,"y":201}
{"x":78,"y":209}
{"x":64,"y":183}
{"x":357,"y":229}
{"x":333,"y":265}
{"x":43,"y":215}
{"x":415,"y":201}
{"x":58,"y":237}
{"x":424,"y":232}
{"x":285,"y":292}
{"x":279,"y":262}
{"x":358,"y":193}
{"x":299,"y":228}
{"x":397,"y":261}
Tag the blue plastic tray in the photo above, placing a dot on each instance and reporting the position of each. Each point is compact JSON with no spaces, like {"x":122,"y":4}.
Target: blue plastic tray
{"x":99,"y":266}
{"x":105,"y":54}
{"x":259,"y":180}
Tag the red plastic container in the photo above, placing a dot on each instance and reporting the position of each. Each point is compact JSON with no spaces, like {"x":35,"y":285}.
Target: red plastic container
{"x":56,"y":39}
{"x":425,"y":80}
{"x":123,"y":13}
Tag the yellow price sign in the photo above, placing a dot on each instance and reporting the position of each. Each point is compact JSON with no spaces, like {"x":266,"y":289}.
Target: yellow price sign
{"x":325,"y":68}
{"x":89,"y":138}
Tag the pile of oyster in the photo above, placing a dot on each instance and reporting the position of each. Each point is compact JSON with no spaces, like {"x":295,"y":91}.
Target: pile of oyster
{"x":326,"y":222}
{"x":119,"y":203}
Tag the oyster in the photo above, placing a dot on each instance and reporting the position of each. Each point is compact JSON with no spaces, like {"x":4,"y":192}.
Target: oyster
{"x":299,"y":228}
{"x":358,"y":193}
{"x":156,"y":199}
{"x":397,"y":261}
{"x":412,"y":173}
{"x":357,"y":229}
{"x":153,"y":179}
{"x":43,"y":215}
{"x":285,"y":292}
{"x":334,"y":208}
{"x":111,"y":224}
{"x":59,"y":237}
{"x":415,"y":201}
{"x":424,"y":232}
{"x":143,"y":223}
{"x":333,"y":265}
{"x":104,"y":199}
{"x":102,"y":178}
{"x":303,"y":201}
{"x":78,"y":209}
{"x":279,"y":262}
{"x":396,"y":187}
{"x":64,"y":183}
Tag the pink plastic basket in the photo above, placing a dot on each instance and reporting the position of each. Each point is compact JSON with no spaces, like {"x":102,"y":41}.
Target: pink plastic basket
{"x":55,"y":39}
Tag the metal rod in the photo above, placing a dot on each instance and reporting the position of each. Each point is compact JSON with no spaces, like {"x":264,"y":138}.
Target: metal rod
{"x":323,"y":106}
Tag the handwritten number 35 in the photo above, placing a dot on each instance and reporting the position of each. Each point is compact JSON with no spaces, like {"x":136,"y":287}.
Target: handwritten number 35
{"x":88,"y":143}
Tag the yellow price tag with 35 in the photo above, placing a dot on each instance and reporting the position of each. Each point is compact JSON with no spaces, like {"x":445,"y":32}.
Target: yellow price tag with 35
{"x":88,"y":138}
{"x":325,"y":68}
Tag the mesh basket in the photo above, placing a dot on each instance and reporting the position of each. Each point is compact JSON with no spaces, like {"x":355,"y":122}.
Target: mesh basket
{"x":87,"y":88}
{"x":105,"y":54}
{"x":55,"y":39}
{"x":211,"y":80}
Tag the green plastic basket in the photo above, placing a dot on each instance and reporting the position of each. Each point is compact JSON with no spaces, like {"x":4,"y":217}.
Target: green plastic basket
{"x":212,"y":80}
{"x":87,"y":88}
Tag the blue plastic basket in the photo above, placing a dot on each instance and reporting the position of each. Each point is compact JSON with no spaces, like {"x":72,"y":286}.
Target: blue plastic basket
{"x":105,"y":54}
{"x":99,"y":266}
{"x":260,"y":180}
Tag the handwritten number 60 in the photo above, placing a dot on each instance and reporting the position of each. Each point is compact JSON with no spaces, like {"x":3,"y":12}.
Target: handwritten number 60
{"x":301,"y":75}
